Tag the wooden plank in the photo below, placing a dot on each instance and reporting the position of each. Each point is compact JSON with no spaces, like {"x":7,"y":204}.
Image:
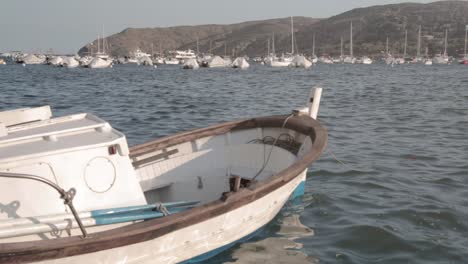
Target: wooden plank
{"x":156,"y":157}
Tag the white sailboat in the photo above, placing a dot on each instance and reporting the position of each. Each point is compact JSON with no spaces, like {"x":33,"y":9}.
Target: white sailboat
{"x":442,"y":58}
{"x":464,"y":60}
{"x":314,"y":59}
{"x":284,"y":60}
{"x":419,"y":58}
{"x":350,"y":59}
{"x":100,"y":59}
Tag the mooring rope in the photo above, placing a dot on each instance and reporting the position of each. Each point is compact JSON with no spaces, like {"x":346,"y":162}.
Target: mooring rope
{"x":265,"y":162}
{"x":339,"y":161}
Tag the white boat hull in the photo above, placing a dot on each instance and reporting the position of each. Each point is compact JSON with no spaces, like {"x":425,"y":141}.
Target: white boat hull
{"x":279,"y":63}
{"x":202,"y":238}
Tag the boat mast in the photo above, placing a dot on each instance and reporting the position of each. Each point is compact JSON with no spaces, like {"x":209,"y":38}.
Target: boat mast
{"x":341,"y":46}
{"x":386,"y":46}
{"x":313,"y":45}
{"x":103,"y":39}
{"x":292,"y":36}
{"x":406,"y":42}
{"x":198,"y":49}
{"x":445,"y":43}
{"x":273,"y":45}
{"x":268,"y":47}
{"x":466,"y":37}
{"x":419,"y":43}
{"x":98,"y":44}
{"x":351,"y":40}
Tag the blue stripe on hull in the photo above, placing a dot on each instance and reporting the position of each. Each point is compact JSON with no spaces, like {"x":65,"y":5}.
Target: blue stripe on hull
{"x":298,"y":192}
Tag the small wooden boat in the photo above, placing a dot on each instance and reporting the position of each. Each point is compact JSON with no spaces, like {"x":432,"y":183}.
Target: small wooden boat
{"x":182,"y":198}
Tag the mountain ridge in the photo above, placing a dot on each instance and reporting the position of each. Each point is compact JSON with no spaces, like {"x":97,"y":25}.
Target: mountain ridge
{"x":371,"y":26}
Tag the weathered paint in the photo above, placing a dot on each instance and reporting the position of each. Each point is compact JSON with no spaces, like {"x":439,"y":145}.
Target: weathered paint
{"x":221,"y":249}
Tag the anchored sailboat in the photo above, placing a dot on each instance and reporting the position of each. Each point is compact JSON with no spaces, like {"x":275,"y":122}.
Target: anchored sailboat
{"x":442,"y":58}
{"x":350,"y":58}
{"x":464,"y":60}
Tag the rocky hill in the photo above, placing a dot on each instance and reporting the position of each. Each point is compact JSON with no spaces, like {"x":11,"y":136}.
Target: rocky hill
{"x":371,"y":26}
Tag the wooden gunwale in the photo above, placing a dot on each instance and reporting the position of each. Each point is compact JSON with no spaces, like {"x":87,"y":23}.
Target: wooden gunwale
{"x":22,"y":252}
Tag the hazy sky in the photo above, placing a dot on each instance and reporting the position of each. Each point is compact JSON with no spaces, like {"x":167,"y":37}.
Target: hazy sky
{"x":66,"y":25}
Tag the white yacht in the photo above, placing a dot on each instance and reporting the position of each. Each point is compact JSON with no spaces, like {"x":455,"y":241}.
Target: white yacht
{"x":240,"y":63}
{"x":184,"y":54}
{"x":190,"y":64}
{"x":366,"y":60}
{"x":100,"y":63}
{"x":70,"y":62}
{"x":325,"y":60}
{"x":300,"y":61}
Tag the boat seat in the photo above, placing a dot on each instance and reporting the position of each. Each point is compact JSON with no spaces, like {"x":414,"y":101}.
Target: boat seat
{"x":25,"y":115}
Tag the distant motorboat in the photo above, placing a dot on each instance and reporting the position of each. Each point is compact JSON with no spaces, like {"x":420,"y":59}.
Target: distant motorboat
{"x":277,"y":63}
{"x":70,"y":62}
{"x":240,"y":63}
{"x":145,"y":60}
{"x":31,"y":59}
{"x":191,"y":64}
{"x":399,"y":60}
{"x":337,"y":60}
{"x":217,"y":62}
{"x":300,"y":61}
{"x":349,"y":60}
{"x":440,"y":59}
{"x":99,"y":63}
{"x":55,"y":61}
{"x":314,"y":59}
{"x":184,"y":54}
{"x":283,"y":61}
{"x":140,"y":54}
{"x":84,"y":61}
{"x":2,"y":62}
{"x":366,"y":60}
{"x":171,"y":61}
{"x":158,"y":61}
{"x":325,"y":59}
{"x":428,"y":62}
